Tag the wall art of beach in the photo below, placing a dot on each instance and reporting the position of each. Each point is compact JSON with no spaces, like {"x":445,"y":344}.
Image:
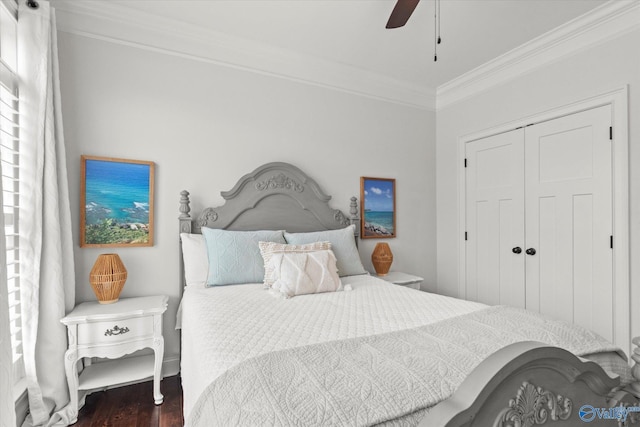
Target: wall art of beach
{"x":379,"y":205}
{"x":116,"y":195}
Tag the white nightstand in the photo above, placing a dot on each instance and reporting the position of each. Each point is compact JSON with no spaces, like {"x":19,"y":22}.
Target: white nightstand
{"x":112,"y":331}
{"x":403,"y":279}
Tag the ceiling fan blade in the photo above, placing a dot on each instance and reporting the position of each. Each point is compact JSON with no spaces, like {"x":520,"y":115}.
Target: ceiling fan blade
{"x":401,"y":13}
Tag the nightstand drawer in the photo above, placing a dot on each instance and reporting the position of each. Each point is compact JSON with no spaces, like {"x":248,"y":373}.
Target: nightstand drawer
{"x":403,"y":279}
{"x":113,"y":332}
{"x":413,"y":285}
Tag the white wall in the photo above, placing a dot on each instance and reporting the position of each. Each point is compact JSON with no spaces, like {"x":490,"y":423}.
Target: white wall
{"x":600,"y":69}
{"x":206,"y":125}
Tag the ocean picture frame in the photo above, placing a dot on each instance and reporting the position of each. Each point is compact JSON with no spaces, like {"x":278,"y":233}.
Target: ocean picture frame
{"x":377,"y":208}
{"x":116,"y":202}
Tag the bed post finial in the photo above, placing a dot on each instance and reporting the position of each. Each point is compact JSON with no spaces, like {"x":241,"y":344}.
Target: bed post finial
{"x":185,"y":218}
{"x":184,"y":204}
{"x":354,"y":218}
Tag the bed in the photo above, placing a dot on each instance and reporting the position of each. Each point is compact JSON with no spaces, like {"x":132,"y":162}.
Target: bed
{"x":365,"y":352}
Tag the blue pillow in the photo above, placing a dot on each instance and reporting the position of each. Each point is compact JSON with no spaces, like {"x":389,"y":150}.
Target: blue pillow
{"x":234,"y":256}
{"x":343,"y":245}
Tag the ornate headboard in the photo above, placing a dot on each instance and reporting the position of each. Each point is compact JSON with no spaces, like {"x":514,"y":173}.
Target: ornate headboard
{"x":275,"y":196}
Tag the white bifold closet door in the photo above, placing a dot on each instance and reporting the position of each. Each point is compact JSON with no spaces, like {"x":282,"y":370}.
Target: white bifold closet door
{"x":495,"y":219}
{"x":539,"y":219}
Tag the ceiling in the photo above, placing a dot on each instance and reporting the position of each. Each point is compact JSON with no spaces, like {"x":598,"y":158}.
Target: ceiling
{"x":352,"y":32}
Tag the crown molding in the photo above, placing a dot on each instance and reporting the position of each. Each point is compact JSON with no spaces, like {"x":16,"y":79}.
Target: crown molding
{"x":122,"y":25}
{"x":603,"y":23}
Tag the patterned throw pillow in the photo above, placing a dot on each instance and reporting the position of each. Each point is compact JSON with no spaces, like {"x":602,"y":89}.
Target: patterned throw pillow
{"x":301,"y":273}
{"x":267,"y":249}
{"x":343,"y":245}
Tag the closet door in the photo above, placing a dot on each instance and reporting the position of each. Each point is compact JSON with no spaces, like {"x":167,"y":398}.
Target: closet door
{"x":568,"y":190}
{"x":495,"y":219}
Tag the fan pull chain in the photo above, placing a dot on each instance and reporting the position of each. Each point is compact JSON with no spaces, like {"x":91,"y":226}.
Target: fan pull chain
{"x":436,"y":28}
{"x":439,"y":38}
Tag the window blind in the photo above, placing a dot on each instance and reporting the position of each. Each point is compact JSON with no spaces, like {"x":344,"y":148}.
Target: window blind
{"x":10,"y":159}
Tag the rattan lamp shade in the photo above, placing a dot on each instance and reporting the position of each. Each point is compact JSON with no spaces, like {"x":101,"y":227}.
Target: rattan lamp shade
{"x":107,"y":278}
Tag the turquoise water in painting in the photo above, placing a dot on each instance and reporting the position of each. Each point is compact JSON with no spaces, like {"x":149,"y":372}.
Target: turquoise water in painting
{"x":383,"y":219}
{"x":116,"y":190}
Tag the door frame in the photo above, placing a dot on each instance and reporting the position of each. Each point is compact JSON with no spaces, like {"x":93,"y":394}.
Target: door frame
{"x":618,"y":100}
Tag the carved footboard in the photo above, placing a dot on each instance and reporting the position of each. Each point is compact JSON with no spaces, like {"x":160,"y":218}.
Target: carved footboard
{"x":528,"y":384}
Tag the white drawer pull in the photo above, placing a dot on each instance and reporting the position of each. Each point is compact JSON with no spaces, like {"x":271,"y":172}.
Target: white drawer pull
{"x":116,"y":330}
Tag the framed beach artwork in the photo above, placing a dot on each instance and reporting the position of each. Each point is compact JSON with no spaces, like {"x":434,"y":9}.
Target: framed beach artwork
{"x":377,"y":207}
{"x":116,"y":202}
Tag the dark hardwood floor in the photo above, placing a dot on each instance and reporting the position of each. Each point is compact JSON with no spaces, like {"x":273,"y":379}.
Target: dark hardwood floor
{"x":132,"y":406}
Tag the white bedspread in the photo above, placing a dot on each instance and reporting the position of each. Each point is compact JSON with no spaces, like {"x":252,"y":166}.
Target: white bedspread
{"x":224,"y":325}
{"x":376,"y":379}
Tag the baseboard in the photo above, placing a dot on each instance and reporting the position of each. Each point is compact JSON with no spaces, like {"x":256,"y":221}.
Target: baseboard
{"x":171,"y":365}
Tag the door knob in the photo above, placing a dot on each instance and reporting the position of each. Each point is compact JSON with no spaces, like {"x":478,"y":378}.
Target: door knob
{"x":530,"y":251}
{"x":516,"y":250}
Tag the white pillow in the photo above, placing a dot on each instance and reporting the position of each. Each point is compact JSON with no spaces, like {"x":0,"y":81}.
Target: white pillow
{"x":267,"y":249}
{"x":300,"y":273}
{"x":196,"y":261}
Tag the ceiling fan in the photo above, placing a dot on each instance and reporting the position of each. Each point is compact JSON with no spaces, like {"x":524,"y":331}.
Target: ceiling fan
{"x":402,"y":12}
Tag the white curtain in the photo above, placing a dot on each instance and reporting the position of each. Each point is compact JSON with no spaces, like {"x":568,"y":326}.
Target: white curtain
{"x":7,"y":407}
{"x":47,"y":270}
